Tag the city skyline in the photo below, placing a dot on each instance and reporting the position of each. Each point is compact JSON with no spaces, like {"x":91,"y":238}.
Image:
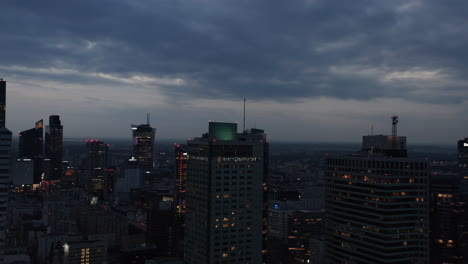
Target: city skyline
{"x":330,"y":69}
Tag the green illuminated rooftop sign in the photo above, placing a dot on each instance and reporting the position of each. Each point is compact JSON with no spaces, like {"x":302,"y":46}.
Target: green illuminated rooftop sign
{"x":223,"y":131}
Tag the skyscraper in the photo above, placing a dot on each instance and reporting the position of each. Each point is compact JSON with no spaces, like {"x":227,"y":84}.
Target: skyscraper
{"x":143,"y":144}
{"x":181,"y":178}
{"x":2,"y":102}
{"x":31,"y":147}
{"x":54,"y":146}
{"x":5,"y":145}
{"x":225,"y":180}
{"x":97,"y":161}
{"x":377,"y":205}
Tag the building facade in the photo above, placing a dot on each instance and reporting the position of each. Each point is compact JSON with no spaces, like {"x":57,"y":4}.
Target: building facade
{"x":5,"y":148}
{"x":97,"y":161}
{"x":463,"y":156}
{"x":143,"y":145}
{"x":377,"y":205}
{"x":2,"y":102}
{"x":225,"y":181}
{"x":449,"y":219}
{"x":181,"y":178}
{"x":54,"y":147}
{"x":31,"y":146}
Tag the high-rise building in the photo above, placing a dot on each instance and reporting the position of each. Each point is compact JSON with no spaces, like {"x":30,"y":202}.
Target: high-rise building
{"x":143,"y":144}
{"x":5,"y":147}
{"x":377,"y":205}
{"x":449,"y":219}
{"x":225,"y":183}
{"x":131,"y":178}
{"x":54,"y":146}
{"x":31,"y":147}
{"x":181,"y":178}
{"x":2,"y":102}
{"x":97,"y":161}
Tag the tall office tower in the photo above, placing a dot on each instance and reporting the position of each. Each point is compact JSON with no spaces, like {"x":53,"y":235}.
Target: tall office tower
{"x":97,"y":161}
{"x":463,"y":156}
{"x":2,"y":102}
{"x":143,"y":144}
{"x":31,"y":147}
{"x":449,"y":219}
{"x":225,"y":174}
{"x":5,"y":145}
{"x":377,"y":204}
{"x":54,"y":146}
{"x":181,"y":178}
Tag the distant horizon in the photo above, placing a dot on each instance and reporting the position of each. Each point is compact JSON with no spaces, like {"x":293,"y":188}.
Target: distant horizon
{"x":183,"y":141}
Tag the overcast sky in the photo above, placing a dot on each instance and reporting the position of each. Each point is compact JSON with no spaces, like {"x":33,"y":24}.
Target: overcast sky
{"x":317,"y":70}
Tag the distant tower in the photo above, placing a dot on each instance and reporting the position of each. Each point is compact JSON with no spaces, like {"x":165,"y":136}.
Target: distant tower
{"x":97,"y":161}
{"x":143,"y":144}
{"x":96,"y":158}
{"x":54,"y":146}
{"x":394,"y":125}
{"x":31,"y":147}
{"x":2,"y":102}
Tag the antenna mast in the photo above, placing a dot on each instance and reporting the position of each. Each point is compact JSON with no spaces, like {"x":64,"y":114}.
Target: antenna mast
{"x":244,"y":115}
{"x":148,"y":118}
{"x":394,"y":125}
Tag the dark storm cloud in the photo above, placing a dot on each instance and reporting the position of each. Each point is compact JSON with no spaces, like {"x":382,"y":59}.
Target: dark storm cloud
{"x":256,"y":49}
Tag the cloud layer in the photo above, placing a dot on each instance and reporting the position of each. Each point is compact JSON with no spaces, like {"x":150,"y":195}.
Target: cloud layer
{"x":129,"y":57}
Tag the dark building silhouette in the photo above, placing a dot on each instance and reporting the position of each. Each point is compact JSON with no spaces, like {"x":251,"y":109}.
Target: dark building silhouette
{"x":143,"y":144}
{"x":161,"y":228}
{"x":54,"y":147}
{"x":2,"y":102}
{"x":181,"y":178}
{"x":449,"y":219}
{"x":31,"y":147}
{"x":97,"y":161}
{"x":377,"y":205}
{"x":225,"y":183}
{"x":463,"y":156}
{"x":303,"y":226}
{"x":5,"y":148}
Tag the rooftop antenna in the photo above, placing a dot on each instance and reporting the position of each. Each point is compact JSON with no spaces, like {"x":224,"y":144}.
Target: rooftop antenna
{"x":394,"y":125}
{"x":244,"y":115}
{"x":148,"y":118}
